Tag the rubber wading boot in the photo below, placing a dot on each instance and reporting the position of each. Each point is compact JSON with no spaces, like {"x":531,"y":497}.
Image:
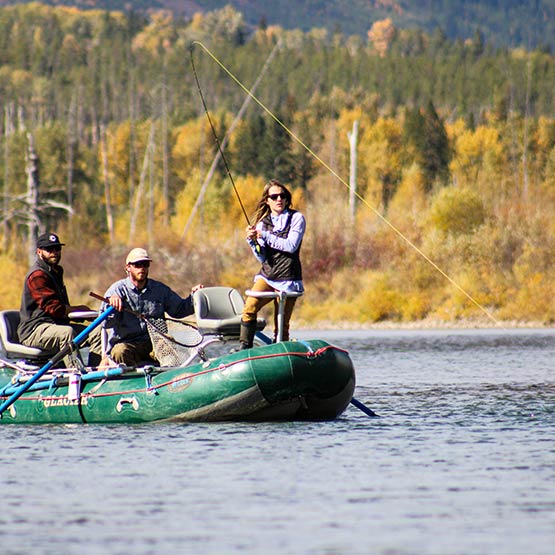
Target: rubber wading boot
{"x":246,"y":337}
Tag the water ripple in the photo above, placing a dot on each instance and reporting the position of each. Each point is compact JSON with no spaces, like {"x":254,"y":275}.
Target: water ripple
{"x":460,"y":462}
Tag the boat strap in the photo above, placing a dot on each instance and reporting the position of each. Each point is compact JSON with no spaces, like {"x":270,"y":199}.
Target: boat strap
{"x":97,"y":386}
{"x":148,"y":380}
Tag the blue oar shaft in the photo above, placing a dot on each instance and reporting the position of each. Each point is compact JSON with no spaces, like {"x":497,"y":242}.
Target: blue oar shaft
{"x":59,"y":356}
{"x":366,"y":410}
{"x":53,"y":383}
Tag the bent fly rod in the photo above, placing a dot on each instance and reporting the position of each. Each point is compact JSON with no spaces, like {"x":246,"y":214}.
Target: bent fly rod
{"x":341,"y":180}
{"x":220,"y":150}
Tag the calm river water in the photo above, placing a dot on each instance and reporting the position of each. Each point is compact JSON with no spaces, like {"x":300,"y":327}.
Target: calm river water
{"x":461,"y":462}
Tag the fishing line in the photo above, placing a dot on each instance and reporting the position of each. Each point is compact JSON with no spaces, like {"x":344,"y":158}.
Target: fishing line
{"x":341,"y":180}
{"x":220,"y":150}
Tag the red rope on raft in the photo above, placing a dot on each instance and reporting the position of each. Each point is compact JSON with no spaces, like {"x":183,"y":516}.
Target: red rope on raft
{"x":310,"y":354}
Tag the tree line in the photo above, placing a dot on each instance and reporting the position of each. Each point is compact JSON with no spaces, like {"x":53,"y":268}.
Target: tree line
{"x":454,"y":149}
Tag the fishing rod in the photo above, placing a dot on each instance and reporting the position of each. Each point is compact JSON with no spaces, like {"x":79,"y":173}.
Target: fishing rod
{"x":220,"y":150}
{"x":342,"y":181}
{"x":228,"y":133}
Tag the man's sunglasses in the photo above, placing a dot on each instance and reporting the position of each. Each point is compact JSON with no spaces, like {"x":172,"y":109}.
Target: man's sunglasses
{"x":55,"y":248}
{"x":140,"y":264}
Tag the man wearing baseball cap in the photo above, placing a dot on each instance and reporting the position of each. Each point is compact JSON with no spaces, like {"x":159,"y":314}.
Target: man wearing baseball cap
{"x":128,"y":339}
{"x":45,"y":305}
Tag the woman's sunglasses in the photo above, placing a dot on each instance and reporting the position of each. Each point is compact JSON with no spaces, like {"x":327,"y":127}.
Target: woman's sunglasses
{"x":282,"y":196}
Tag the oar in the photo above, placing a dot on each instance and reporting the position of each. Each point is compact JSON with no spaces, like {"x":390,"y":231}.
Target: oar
{"x":366,"y":410}
{"x":76,"y":341}
{"x":85,"y":378}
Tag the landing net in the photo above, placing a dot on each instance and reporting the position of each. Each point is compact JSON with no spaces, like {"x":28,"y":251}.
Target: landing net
{"x":168,"y":351}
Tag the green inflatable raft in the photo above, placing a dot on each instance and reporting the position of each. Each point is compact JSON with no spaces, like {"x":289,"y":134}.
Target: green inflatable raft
{"x":291,"y":380}
{"x":210,"y":380}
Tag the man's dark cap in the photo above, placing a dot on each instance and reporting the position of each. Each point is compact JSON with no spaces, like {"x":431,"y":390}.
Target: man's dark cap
{"x":48,"y":240}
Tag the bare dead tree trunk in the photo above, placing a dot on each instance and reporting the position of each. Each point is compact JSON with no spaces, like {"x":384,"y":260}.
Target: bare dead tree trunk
{"x":80,"y":125}
{"x":20,"y":118}
{"x":107,"y":191}
{"x":333,"y":157}
{"x":353,"y":138}
{"x":33,"y":184}
{"x":165,"y":157}
{"x":104,"y":152}
{"x":150,"y":219}
{"x":70,"y":148}
{"x":8,"y":130}
{"x":525,"y":183}
{"x":131,"y":142}
{"x":139,"y":193}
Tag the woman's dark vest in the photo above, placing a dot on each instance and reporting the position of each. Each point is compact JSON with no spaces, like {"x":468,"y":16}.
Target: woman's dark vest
{"x":280,"y":265}
{"x":30,"y":313}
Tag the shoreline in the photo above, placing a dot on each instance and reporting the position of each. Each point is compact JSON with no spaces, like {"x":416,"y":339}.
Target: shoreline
{"x":419,"y":325}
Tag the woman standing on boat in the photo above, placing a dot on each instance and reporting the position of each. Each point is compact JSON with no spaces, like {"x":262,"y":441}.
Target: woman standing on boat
{"x":275,"y":240}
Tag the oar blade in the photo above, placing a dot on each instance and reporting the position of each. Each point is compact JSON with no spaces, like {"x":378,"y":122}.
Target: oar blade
{"x":366,"y":410}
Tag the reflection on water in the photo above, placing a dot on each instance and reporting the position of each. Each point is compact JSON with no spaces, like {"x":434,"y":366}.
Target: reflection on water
{"x":462,"y":461}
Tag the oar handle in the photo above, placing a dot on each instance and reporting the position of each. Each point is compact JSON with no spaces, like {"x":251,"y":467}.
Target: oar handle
{"x":75,"y":342}
{"x":99,"y":297}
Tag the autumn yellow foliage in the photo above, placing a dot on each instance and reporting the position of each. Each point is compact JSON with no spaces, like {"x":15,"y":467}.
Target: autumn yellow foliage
{"x":381,"y":34}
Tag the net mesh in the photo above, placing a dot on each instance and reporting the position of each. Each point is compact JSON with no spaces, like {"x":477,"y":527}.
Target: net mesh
{"x":167,"y":352}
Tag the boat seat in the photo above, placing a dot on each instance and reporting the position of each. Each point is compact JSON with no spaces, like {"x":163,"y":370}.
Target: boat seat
{"x":218,"y":311}
{"x":9,"y":320}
